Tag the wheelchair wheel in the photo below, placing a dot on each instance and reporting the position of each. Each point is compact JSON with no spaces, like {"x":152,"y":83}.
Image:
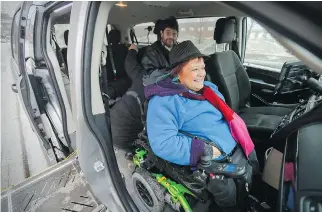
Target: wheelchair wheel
{"x":149,"y":191}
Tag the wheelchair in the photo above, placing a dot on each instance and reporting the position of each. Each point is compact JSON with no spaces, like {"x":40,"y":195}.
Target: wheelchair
{"x":184,"y":188}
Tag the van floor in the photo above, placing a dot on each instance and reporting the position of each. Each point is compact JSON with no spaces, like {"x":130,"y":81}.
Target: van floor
{"x":59,"y":188}
{"x":62,"y":188}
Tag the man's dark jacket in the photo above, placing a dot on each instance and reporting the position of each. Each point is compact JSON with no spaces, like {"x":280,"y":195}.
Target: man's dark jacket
{"x":155,"y":62}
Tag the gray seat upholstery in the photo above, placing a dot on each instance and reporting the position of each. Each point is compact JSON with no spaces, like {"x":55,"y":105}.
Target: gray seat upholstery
{"x":118,"y":82}
{"x":228,"y":73}
{"x":261,"y":121}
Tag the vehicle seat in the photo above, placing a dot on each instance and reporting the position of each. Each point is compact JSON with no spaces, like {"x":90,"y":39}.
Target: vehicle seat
{"x":118,"y":82}
{"x":119,"y":52}
{"x":228,"y":73}
{"x":141,"y":52}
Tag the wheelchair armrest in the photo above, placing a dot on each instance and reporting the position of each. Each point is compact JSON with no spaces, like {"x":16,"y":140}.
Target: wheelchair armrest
{"x":226,"y":169}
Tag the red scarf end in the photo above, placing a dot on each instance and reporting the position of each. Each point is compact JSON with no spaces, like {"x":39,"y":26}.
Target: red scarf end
{"x":216,"y":101}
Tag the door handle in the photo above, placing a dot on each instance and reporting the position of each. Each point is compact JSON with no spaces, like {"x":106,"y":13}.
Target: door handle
{"x":14,"y":88}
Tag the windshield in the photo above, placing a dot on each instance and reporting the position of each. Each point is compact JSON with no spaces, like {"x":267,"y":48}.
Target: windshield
{"x":262,"y":49}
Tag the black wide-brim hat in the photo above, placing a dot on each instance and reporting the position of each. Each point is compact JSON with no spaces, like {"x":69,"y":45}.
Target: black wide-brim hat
{"x":183,"y":52}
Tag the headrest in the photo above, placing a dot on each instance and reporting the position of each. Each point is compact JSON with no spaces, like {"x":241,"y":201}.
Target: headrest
{"x":114,"y":36}
{"x":157,"y":26}
{"x":224,"y":32}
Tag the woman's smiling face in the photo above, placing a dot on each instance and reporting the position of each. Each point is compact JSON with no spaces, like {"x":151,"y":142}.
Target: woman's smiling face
{"x":192,"y":74}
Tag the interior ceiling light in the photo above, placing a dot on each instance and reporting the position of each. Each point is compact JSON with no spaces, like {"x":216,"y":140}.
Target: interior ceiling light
{"x":121,"y":4}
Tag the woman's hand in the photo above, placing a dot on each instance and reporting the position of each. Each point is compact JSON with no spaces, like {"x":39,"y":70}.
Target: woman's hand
{"x":215,"y":152}
{"x":210,"y":153}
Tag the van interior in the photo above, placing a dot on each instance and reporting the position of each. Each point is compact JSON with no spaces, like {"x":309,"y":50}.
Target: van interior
{"x":246,"y":63}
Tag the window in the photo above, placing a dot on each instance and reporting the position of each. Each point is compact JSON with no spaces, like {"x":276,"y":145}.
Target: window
{"x":211,"y":29}
{"x":59,"y":33}
{"x":141,"y":33}
{"x":262,"y":49}
{"x":201,"y":32}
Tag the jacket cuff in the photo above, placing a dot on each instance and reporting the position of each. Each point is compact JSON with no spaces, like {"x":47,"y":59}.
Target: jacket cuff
{"x":133,"y":51}
{"x":197,"y":151}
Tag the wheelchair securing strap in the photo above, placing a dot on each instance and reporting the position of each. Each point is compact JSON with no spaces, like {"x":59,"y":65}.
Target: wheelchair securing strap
{"x":112,"y":59}
{"x":136,"y":96}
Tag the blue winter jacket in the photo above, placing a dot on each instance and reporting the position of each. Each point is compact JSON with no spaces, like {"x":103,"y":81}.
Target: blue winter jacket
{"x":169,"y":114}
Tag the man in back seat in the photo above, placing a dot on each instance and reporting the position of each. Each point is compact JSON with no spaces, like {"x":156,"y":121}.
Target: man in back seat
{"x":126,"y":121}
{"x":156,"y":58}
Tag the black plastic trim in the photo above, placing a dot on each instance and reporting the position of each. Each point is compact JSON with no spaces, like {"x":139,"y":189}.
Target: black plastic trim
{"x":281,"y":183}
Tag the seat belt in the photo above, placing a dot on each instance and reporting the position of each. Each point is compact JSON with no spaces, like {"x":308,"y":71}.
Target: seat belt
{"x":58,"y":50}
{"x":59,"y":55}
{"x":112,"y":59}
{"x":133,"y":36}
{"x":109,"y":47}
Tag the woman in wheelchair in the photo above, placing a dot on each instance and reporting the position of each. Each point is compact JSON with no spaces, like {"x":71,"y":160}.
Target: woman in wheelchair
{"x":184,"y":111}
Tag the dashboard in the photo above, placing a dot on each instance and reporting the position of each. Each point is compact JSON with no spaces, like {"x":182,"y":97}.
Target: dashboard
{"x":301,"y":174}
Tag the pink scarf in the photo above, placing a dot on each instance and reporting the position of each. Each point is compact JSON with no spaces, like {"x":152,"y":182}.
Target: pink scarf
{"x":237,"y":126}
